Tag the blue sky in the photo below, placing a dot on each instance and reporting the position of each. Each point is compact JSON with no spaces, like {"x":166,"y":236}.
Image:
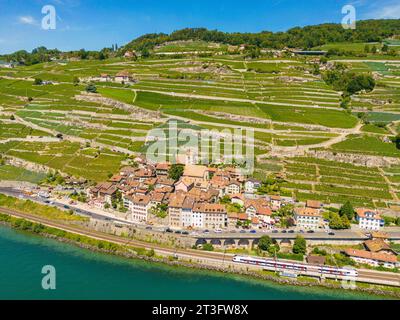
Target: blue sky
{"x":94,"y":24}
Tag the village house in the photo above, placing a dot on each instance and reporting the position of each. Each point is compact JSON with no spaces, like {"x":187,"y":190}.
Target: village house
{"x":175,"y":209}
{"x":237,"y":199}
{"x":184,"y":184}
{"x":130,"y":54}
{"x":209,"y":216}
{"x":104,"y":192}
{"x":235,"y":217}
{"x":379,"y":246}
{"x":313,"y":204}
{"x":372,"y":258}
{"x":139,"y":206}
{"x":276,"y":202}
{"x":164,"y":182}
{"x":260,"y":210}
{"x":162,"y":169}
{"x":233,"y":187}
{"x":104,"y":77}
{"x":187,"y":212}
{"x":196,"y":173}
{"x":369,"y":219}
{"x":127,"y":171}
{"x":307,"y":218}
{"x":251,"y":185}
{"x":123,"y":77}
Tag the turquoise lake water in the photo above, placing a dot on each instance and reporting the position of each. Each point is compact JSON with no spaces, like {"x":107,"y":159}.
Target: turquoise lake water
{"x":82,"y":274}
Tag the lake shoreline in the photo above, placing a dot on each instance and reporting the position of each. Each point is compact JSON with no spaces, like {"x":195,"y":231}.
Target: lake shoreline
{"x":190,"y":265}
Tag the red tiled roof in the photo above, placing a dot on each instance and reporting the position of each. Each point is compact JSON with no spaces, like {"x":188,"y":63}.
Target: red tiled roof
{"x":371,"y":255}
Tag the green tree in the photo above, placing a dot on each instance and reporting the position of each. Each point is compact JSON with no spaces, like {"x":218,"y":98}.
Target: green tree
{"x":264,"y":243}
{"x":347,"y":210}
{"x":335,"y":221}
{"x":38,"y":82}
{"x":345,"y":222}
{"x":385,"y":48}
{"x":75,"y":81}
{"x":274,"y":249}
{"x":91,"y":88}
{"x":176,"y":171}
{"x":208,"y":247}
{"x":300,"y":245}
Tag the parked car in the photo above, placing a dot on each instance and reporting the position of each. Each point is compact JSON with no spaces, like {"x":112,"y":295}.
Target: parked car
{"x":331,"y":233}
{"x":168,"y":230}
{"x":284,"y":231}
{"x":310,"y":231}
{"x":275,"y":231}
{"x":291,"y":231}
{"x":242,"y":231}
{"x":218,"y":231}
{"x":185,"y":232}
{"x":178,"y":232}
{"x":206,"y":231}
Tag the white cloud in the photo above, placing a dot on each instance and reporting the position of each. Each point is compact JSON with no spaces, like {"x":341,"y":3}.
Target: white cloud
{"x":384,"y":11}
{"x":27,"y":20}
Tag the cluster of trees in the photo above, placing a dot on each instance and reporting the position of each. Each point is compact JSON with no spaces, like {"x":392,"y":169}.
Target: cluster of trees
{"x":347,"y":81}
{"x":342,"y":219}
{"x":91,"y":88}
{"x":176,"y":171}
{"x":307,"y":37}
{"x":160,"y":211}
{"x":269,"y":245}
{"x":53,"y":178}
{"x":38,"y":55}
{"x":42,"y":54}
{"x":272,"y":247}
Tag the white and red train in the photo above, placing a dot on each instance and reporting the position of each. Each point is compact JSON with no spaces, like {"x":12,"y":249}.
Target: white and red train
{"x":272,"y":264}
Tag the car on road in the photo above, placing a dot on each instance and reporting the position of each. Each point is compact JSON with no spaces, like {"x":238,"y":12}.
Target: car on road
{"x":206,"y":231}
{"x":67,"y":207}
{"x":284,"y":231}
{"x":178,"y":232}
{"x":253,"y":231}
{"x":275,"y":231}
{"x":168,"y":230}
{"x":242,"y":231}
{"x":310,"y":231}
{"x":291,"y":231}
{"x":331,"y":233}
{"x":218,"y":231}
{"x":185,"y":233}
{"x":149,"y":228}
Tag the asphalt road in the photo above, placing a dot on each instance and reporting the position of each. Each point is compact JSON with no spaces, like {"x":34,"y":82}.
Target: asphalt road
{"x":236,"y":234}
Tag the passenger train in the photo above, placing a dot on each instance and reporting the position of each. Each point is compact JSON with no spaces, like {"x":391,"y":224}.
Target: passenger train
{"x":272,"y":264}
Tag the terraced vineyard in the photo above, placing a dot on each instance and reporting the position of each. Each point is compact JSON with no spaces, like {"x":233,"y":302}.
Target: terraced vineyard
{"x":300,"y":128}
